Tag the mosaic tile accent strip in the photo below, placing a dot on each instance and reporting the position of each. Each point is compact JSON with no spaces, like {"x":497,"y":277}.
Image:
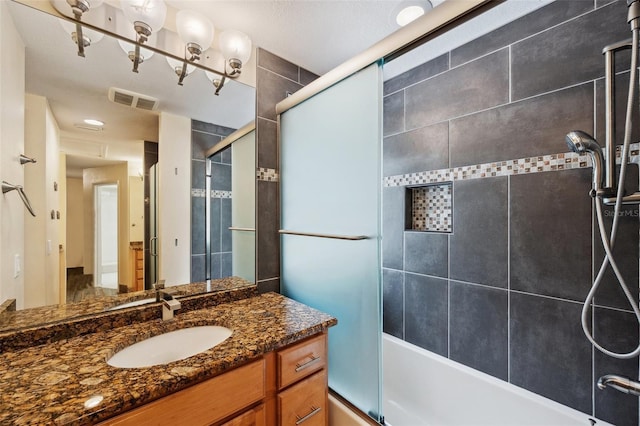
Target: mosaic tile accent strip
{"x":200,"y":193}
{"x":544,"y":163}
{"x":432,"y":208}
{"x":267,"y":175}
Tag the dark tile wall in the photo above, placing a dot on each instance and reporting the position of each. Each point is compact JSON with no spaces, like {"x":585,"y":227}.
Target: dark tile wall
{"x":203,"y":137}
{"x":276,"y":78}
{"x":503,"y":293}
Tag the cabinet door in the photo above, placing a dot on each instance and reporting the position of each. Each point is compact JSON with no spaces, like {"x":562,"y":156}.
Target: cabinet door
{"x":305,"y":403}
{"x":203,"y":404}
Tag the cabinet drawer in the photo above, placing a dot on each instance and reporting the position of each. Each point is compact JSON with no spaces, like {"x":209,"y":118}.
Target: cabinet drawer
{"x":305,"y":404}
{"x":254,"y":417}
{"x":301,"y":360}
{"x":202,"y":404}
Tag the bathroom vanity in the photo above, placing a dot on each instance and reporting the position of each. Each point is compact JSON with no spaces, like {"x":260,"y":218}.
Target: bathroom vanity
{"x":285,"y":387}
{"x":271,"y":370}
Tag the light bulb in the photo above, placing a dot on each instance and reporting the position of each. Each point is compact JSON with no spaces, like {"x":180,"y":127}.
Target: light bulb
{"x":149,"y":12}
{"x":194,"y":27}
{"x":235,"y":45}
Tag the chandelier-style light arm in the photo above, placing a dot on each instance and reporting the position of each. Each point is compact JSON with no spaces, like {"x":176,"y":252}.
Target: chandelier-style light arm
{"x":183,"y":73}
{"x":79,"y":38}
{"x":218,"y":84}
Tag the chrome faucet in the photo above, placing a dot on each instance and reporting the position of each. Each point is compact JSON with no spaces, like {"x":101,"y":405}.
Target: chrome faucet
{"x":619,"y":383}
{"x":169,"y":303}
{"x":169,"y":306}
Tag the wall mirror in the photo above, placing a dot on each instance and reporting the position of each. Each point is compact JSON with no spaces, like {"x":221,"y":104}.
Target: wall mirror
{"x":107,"y":164}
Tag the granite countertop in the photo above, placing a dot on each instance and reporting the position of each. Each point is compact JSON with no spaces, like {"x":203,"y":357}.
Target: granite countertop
{"x":50,"y":384}
{"x":12,"y":320}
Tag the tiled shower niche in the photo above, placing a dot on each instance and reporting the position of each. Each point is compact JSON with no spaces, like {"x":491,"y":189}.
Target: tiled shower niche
{"x":430,"y":208}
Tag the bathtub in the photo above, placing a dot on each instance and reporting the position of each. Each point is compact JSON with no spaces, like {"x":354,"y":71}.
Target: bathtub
{"x":422,"y":388}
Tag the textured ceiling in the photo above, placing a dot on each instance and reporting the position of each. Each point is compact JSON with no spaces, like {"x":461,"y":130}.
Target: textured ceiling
{"x":315,"y":34}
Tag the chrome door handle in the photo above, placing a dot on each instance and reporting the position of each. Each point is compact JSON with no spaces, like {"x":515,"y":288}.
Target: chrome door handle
{"x":153,"y":248}
{"x":314,"y":411}
{"x":313,"y":360}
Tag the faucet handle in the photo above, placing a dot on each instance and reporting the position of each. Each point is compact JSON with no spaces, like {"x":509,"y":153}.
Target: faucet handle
{"x":159,"y":285}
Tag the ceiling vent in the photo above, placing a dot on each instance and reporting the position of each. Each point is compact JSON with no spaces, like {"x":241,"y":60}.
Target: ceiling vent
{"x":132,"y":99}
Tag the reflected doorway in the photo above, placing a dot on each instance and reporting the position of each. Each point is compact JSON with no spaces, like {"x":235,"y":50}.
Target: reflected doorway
{"x":106,"y":236}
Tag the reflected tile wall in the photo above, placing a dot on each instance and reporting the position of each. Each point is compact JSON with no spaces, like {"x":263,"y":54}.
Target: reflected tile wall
{"x":203,"y":137}
{"x":503,"y":292}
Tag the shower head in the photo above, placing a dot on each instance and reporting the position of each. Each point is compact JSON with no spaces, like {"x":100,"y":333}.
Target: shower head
{"x":581,"y":143}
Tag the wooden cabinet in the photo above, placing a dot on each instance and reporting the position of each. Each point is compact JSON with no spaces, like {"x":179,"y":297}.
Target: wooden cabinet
{"x":302,"y":383}
{"x":136,"y":265}
{"x":286,"y":388}
{"x":203,"y":404}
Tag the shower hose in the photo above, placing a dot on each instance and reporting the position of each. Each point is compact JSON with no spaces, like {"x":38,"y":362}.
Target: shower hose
{"x":608,"y":242}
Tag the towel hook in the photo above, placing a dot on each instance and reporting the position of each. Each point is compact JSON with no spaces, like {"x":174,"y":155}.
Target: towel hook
{"x":24,"y":159}
{"x":7,"y":187}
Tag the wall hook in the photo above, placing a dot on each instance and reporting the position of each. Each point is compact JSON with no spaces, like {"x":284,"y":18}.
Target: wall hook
{"x":7,"y":187}
{"x":24,"y":159}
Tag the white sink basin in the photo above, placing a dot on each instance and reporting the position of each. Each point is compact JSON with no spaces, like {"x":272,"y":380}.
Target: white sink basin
{"x":169,"y":347}
{"x":134,"y":303}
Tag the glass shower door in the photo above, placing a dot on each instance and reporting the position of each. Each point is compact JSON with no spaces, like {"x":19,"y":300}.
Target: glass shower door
{"x":331,"y":197}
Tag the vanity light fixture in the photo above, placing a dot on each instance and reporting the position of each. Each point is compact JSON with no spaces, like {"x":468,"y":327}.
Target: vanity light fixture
{"x":146,"y":16}
{"x":92,"y":13}
{"x":236,"y":49}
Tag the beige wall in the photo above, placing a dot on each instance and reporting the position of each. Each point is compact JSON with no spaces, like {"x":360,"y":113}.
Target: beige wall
{"x":109,"y":174}
{"x":75,"y":216}
{"x":174,"y":204}
{"x":41,"y":233}
{"x":62,"y":224}
{"x":136,"y":208}
{"x":12,"y":67}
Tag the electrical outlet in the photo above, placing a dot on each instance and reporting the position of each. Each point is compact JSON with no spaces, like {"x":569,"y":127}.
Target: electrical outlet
{"x":17,"y":268}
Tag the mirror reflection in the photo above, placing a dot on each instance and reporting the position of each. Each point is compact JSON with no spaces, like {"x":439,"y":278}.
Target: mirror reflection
{"x":93,"y":127}
{"x":230,"y":212}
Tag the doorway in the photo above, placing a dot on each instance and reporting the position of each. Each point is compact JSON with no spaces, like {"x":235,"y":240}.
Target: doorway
{"x":106,"y":235}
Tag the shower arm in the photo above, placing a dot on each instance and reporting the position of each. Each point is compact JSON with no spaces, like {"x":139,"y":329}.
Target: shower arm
{"x":7,"y":187}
